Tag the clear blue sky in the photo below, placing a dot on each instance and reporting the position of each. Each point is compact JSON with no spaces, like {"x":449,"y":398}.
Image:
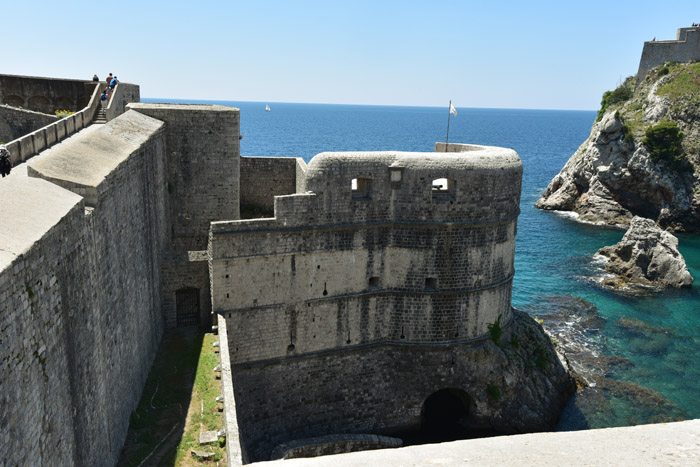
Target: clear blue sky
{"x":518,"y":54}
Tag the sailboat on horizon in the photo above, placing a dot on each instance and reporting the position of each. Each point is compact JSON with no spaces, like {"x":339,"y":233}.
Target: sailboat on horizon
{"x":267,"y":107}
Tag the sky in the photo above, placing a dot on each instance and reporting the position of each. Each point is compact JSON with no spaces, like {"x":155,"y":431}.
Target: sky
{"x":494,"y":54}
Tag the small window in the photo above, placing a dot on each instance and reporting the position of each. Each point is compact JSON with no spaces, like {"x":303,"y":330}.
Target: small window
{"x":395,"y":176}
{"x":361,"y":187}
{"x":443,"y":188}
{"x":430,"y":283}
{"x":373,"y":282}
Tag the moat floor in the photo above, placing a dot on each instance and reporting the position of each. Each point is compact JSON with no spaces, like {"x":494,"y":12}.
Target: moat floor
{"x":178,"y":401}
{"x":643,"y":445}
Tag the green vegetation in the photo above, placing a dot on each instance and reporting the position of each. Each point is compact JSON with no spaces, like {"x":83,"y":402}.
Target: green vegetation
{"x":541,"y":360}
{"x":515,"y":342}
{"x":63,"y":113}
{"x":495,"y":330}
{"x":663,"y":141}
{"x":181,"y":390}
{"x":621,"y":94}
{"x":493,"y":392}
{"x":204,"y":414}
{"x":628,"y":135}
{"x":684,"y":84}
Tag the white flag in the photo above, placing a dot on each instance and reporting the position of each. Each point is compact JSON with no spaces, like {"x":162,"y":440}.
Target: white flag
{"x":453,"y":111}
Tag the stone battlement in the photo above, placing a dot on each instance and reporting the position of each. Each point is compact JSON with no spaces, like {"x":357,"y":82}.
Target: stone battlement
{"x":369,"y":290}
{"x":384,"y":254}
{"x":686,"y":48}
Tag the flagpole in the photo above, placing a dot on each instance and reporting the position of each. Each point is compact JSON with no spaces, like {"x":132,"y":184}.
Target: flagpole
{"x":449,"y":113}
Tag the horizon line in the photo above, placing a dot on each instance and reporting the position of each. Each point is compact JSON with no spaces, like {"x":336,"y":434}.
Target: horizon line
{"x":199,"y":101}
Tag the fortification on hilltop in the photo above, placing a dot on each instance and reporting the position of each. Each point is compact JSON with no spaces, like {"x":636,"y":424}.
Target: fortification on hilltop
{"x":374,"y":299}
{"x":686,"y":48}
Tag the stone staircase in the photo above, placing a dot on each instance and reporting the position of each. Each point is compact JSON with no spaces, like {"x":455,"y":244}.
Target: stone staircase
{"x":100,"y":116}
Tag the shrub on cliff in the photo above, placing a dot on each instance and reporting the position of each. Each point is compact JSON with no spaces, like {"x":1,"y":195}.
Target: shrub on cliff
{"x":621,"y":94}
{"x":663,"y":141}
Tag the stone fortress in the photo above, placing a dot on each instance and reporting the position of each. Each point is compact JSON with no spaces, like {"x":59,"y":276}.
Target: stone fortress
{"x":685,"y":49}
{"x":366,"y":297}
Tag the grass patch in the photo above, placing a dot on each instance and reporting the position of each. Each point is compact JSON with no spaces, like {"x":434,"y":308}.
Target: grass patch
{"x":685,"y":83}
{"x":181,"y":379}
{"x":203,"y":414}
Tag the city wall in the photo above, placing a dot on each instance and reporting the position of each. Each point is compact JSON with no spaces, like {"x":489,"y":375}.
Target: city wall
{"x":375,"y":274}
{"x":45,"y":95}
{"x":16,"y":122}
{"x":202,"y":183}
{"x":80,"y":290}
{"x":263,"y":178}
{"x":686,"y":48}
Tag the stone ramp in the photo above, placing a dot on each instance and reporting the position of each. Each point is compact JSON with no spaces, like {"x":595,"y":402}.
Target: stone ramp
{"x":30,"y":207}
{"x":645,"y":445}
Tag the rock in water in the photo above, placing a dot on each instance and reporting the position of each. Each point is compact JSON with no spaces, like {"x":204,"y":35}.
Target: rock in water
{"x":646,"y":255}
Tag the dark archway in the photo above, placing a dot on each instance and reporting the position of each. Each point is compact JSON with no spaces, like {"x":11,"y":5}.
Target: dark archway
{"x":443,"y":413}
{"x":14,"y":101}
{"x":40,"y":104}
{"x":65,"y":103}
{"x":187,"y":306}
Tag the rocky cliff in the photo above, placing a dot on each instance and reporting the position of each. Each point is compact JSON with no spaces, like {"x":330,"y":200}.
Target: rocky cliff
{"x":642,"y":156}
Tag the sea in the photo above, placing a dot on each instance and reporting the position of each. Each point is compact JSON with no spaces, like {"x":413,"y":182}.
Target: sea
{"x":649,"y":339}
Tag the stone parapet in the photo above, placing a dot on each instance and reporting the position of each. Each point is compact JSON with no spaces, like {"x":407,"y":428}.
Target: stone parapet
{"x":686,"y":48}
{"x":80,"y":291}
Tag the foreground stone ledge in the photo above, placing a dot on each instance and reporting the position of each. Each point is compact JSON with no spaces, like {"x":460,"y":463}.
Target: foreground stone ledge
{"x":649,"y":445}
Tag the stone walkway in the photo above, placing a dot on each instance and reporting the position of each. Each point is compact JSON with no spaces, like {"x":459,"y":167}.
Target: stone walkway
{"x":639,"y":446}
{"x":21,"y":168}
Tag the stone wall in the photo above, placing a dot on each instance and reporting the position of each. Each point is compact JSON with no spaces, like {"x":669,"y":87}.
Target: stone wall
{"x":203,"y":160}
{"x":123,"y":94}
{"x":334,"y":444}
{"x":45,"y":95}
{"x":686,"y":48}
{"x":203,"y":167}
{"x":186,"y":271}
{"x":263,"y":178}
{"x":387,"y":255}
{"x":16,"y":122}
{"x":80,"y":289}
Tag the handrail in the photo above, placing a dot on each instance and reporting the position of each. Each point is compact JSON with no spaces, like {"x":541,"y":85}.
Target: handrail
{"x":33,"y":143}
{"x":115,"y":103}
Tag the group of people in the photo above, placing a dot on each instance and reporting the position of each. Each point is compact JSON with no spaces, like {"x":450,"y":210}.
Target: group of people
{"x":5,"y":161}
{"x":112,"y":81}
{"x":695,"y":25}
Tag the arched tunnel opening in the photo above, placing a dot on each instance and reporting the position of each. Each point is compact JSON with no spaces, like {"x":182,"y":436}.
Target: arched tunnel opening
{"x":446,"y":416}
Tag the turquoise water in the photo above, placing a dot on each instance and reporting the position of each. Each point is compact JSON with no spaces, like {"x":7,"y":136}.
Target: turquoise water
{"x":658,"y":333}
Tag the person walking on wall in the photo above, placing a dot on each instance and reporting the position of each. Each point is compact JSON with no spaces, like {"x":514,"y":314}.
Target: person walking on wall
{"x":109,"y":79}
{"x":5,"y":161}
{"x":103,"y":98}
{"x":114,"y":82}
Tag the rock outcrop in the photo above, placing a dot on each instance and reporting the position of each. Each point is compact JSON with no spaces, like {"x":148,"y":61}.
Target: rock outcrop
{"x":613,"y":176}
{"x":605,"y":397}
{"x":646,"y":255}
